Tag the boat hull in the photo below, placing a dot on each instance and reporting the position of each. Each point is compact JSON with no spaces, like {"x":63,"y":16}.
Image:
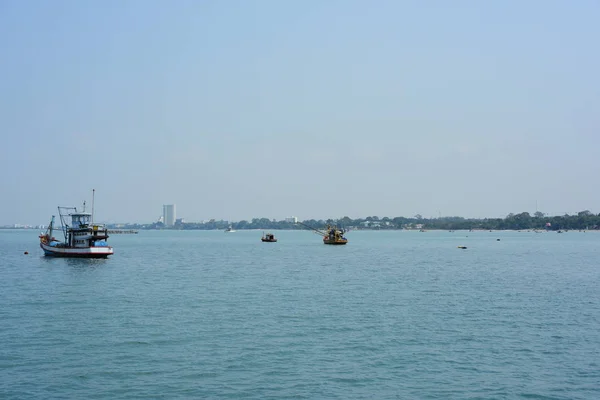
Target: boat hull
{"x":334,"y":242}
{"x":268,"y":241}
{"x":85,"y":252}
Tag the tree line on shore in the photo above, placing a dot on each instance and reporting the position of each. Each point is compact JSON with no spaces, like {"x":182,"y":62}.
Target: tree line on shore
{"x":583,"y":220}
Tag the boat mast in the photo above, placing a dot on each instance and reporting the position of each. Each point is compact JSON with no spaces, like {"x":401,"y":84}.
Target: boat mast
{"x":50,"y":229}
{"x":93,"y":194}
{"x":63,"y":224}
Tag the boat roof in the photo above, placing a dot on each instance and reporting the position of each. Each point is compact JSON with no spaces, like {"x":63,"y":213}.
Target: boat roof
{"x":80,"y":214}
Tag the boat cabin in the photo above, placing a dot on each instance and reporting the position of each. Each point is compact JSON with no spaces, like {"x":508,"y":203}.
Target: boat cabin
{"x":82,"y":233}
{"x":80,"y":220}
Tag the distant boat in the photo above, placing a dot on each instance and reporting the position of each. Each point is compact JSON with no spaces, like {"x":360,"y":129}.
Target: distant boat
{"x":269,"y":237}
{"x":229,"y":229}
{"x":334,"y":236}
{"x":331,"y":235}
{"x":82,"y":238}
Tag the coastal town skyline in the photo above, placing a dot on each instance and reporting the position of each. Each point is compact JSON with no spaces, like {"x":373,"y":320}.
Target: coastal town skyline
{"x":169,"y":215}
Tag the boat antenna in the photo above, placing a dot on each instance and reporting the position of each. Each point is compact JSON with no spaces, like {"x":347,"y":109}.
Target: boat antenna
{"x":93,"y":195}
{"x":317,"y":231}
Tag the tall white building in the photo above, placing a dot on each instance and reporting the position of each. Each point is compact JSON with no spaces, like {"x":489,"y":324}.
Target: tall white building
{"x":293,"y":220}
{"x":169,"y":214}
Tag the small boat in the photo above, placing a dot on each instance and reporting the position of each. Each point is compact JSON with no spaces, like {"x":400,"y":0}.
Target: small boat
{"x":230,"y":229}
{"x":462,"y":247}
{"x":331,"y":235}
{"x":82,"y":237}
{"x":269,"y":237}
{"x":334,"y":236}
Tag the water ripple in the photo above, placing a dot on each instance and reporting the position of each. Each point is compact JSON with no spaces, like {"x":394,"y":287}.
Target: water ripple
{"x":393,"y":315}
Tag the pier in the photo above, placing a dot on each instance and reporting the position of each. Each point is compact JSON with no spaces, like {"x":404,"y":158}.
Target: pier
{"x":122,"y":231}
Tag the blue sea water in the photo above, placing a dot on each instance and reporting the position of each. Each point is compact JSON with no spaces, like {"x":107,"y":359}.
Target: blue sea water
{"x":392,"y":315}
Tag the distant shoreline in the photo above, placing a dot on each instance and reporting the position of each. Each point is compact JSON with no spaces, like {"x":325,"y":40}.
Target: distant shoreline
{"x":582,"y":221}
{"x":350,"y":230}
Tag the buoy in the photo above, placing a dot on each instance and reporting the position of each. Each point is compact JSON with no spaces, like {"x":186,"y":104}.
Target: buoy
{"x":26,"y":252}
{"x":497,"y":240}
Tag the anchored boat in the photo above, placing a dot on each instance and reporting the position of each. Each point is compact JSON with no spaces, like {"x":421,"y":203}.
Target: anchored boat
{"x":331,"y":235}
{"x":230,"y":229}
{"x":82,"y":237}
{"x":269,"y":237}
{"x":334,"y":236}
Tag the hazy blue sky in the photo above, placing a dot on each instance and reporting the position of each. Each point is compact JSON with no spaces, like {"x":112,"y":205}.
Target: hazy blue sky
{"x":236,"y":109}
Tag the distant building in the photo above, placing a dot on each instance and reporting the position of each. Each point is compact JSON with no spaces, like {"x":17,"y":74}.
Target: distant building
{"x":293,"y":220}
{"x":179,"y":221}
{"x":169,"y":214}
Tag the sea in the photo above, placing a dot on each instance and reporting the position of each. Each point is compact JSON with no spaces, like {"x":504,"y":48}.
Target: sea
{"x":391,"y":315}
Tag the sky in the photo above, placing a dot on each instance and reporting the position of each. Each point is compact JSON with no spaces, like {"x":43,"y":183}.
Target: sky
{"x":314,"y":108}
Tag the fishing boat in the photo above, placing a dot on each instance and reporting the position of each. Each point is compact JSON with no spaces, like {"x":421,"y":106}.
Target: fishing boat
{"x":230,"y":229}
{"x":269,"y":237}
{"x":334,"y":236}
{"x":331,"y":235}
{"x":82,"y":237}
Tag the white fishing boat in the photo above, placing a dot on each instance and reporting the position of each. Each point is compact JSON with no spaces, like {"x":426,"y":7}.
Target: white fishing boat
{"x":82,"y":237}
{"x":230,"y":229}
